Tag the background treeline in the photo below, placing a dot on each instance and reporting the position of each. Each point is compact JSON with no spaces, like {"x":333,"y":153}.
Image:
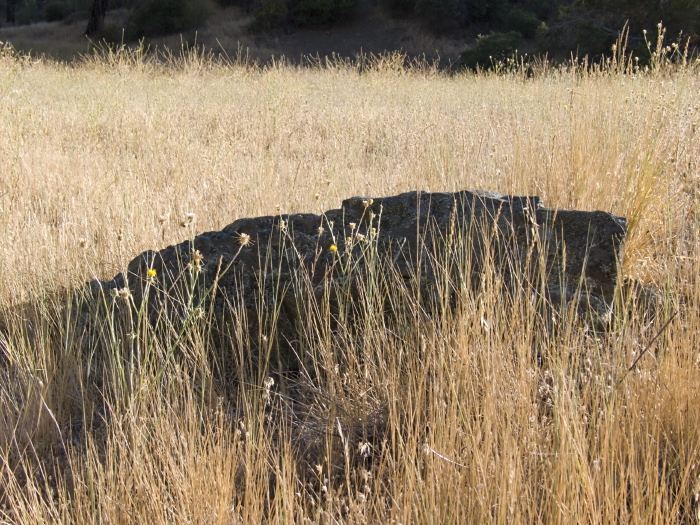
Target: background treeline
{"x":496,"y":28}
{"x":23,"y":12}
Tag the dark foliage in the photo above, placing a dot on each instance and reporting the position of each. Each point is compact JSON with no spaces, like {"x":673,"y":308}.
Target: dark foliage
{"x":484,"y":10}
{"x":10,"y":11}
{"x":96,"y":21}
{"x":162,"y":17}
{"x":269,"y":15}
{"x":245,"y":4}
{"x":524,"y":22}
{"x":289,"y":14}
{"x":28,"y":12}
{"x":322,"y":13}
{"x":560,"y":28}
{"x":543,"y":9}
{"x":676,"y":15}
{"x":441,"y":16}
{"x":490,"y":50}
{"x":57,"y":11}
{"x":399,"y":8}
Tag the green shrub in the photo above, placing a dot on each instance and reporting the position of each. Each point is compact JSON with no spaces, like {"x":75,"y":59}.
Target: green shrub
{"x":582,"y":37}
{"x":269,"y":14}
{"x":322,"y":13}
{"x":163,"y":17}
{"x":524,"y":22}
{"x":490,"y":49}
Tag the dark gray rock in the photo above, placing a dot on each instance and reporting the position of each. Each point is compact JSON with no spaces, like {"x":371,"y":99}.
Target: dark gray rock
{"x":261,"y":266}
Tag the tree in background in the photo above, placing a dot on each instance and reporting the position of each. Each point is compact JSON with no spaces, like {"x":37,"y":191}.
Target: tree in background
{"x":451,"y":16}
{"x":321,"y":13}
{"x":97,"y":17}
{"x":675,"y":15}
{"x":150,"y":18}
{"x":11,"y":9}
{"x":441,"y":16}
{"x":269,"y":15}
{"x":484,"y":10}
{"x":591,"y":27}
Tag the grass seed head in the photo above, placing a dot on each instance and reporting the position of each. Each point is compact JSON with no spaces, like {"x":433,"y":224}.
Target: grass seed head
{"x":197,"y":258}
{"x":244,"y":239}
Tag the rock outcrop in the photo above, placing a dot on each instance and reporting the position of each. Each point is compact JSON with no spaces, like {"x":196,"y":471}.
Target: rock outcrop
{"x":260,"y":265}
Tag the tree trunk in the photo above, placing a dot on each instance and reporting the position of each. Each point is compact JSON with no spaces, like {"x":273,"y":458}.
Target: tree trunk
{"x":11,"y":5}
{"x":97,"y":17}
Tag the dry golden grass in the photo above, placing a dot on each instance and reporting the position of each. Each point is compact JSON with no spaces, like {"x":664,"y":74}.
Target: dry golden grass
{"x":450,"y":421}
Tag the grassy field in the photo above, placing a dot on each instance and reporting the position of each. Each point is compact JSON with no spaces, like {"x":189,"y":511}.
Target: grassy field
{"x":478,"y":416}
